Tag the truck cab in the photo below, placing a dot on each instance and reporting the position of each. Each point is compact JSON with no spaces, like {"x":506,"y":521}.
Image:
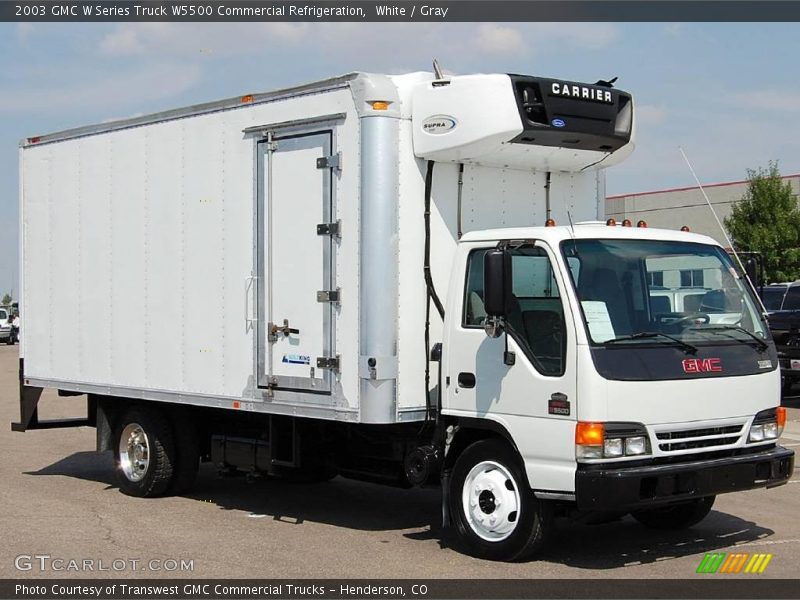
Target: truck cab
{"x":614,"y":405}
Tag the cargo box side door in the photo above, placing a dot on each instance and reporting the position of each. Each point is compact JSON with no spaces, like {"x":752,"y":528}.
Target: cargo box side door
{"x":295,"y":263}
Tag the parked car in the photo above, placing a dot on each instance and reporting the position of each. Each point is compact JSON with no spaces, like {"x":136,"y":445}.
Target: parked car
{"x":6,"y":328}
{"x":782,"y":301}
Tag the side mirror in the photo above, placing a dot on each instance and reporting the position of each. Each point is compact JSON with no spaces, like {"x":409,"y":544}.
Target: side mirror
{"x":496,"y":282}
{"x":751,"y":267}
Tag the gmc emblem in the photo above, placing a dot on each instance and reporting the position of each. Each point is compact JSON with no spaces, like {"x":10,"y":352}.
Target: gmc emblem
{"x":702,"y":365}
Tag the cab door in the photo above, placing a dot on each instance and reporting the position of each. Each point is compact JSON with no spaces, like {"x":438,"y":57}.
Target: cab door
{"x":525,"y":379}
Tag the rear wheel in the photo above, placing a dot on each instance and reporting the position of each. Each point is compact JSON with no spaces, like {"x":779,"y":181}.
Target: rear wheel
{"x":676,"y":516}
{"x":144,"y":453}
{"x":496,"y":515}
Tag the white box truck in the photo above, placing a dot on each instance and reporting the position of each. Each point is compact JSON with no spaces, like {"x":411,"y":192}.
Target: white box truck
{"x":401,"y":279}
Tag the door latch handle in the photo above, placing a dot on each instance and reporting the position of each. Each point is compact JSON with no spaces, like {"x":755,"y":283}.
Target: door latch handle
{"x":466,"y":380}
{"x":274,"y":329}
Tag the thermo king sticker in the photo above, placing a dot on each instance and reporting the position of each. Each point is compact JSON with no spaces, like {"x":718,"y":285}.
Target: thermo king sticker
{"x":296,"y":359}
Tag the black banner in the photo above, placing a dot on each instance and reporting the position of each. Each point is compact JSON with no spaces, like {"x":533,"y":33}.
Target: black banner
{"x":405,"y":11}
{"x":707,"y":587}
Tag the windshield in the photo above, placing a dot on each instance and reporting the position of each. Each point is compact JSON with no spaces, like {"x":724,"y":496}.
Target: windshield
{"x":773,"y":298}
{"x":657,"y":292}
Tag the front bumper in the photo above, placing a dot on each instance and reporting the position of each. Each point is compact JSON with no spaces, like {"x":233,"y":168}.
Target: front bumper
{"x":604,"y":487}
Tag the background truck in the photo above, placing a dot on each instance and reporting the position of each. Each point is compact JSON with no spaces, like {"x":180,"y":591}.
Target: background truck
{"x":782,"y":301}
{"x":404,"y":280}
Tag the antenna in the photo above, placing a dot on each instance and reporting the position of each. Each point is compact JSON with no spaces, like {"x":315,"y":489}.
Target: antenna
{"x":722,"y":228}
{"x":437,"y":70}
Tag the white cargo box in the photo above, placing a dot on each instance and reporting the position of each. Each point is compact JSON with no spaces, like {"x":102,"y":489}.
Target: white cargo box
{"x":263,"y":253}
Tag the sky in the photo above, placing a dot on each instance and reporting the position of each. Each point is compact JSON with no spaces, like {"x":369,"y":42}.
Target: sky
{"x":729,"y":94}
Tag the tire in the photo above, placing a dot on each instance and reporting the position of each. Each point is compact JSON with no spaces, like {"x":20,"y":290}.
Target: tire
{"x":490,"y":473}
{"x":676,"y":516}
{"x":144,"y":453}
{"x":187,"y":450}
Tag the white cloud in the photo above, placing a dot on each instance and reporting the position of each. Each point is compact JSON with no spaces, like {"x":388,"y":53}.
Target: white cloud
{"x":769,"y":99}
{"x":109,"y":92}
{"x":647,"y":115}
{"x":24,"y":31}
{"x":186,"y":39}
{"x":580,"y":35}
{"x":500,"y":39}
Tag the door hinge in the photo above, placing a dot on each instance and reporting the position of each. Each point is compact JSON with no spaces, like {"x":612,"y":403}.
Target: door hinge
{"x":271,"y":146}
{"x":328,"y":362}
{"x":331,"y":229}
{"x":329,"y":295}
{"x":330,"y":162}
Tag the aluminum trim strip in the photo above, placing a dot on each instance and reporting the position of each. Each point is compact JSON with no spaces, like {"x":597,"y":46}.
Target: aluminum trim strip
{"x":325,"y":85}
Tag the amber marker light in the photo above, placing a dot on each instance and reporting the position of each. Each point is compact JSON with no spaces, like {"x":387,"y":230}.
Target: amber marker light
{"x":589,"y":434}
{"x":550,"y":223}
{"x":611,"y":222}
{"x":685,"y":228}
{"x":589,"y":438}
{"x":641,"y":224}
{"x":380,"y":105}
{"x":246,"y":99}
{"x":627,"y":223}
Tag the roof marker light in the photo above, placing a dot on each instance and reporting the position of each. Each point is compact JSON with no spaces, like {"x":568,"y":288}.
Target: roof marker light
{"x":246,"y":99}
{"x":641,"y":223}
{"x":627,"y":223}
{"x":611,"y":222}
{"x":550,"y":223}
{"x":685,"y":228}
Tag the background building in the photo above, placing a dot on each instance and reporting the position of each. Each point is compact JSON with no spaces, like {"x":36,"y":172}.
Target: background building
{"x":673,"y":208}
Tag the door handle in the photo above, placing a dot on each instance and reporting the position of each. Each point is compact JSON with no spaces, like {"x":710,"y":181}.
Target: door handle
{"x":249,"y":318}
{"x":285,"y":330}
{"x":466,"y":380}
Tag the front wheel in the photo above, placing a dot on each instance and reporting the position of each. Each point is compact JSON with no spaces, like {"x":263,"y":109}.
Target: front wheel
{"x":676,"y":516}
{"x":496,"y":515}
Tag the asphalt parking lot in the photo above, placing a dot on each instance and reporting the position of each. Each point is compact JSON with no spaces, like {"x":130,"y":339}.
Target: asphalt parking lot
{"x":58,"y":499}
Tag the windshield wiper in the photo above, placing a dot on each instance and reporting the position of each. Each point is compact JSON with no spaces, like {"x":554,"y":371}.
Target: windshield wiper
{"x":643,"y":335}
{"x":762,"y":345}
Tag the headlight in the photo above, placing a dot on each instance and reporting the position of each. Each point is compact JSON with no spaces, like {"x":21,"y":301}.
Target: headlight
{"x":612,"y":447}
{"x":610,"y":440}
{"x":768,"y":425}
{"x":757,"y":433}
{"x":636,"y":445}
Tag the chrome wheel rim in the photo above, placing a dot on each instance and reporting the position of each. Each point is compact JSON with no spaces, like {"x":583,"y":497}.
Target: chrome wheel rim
{"x":134,"y":452}
{"x":491,"y":501}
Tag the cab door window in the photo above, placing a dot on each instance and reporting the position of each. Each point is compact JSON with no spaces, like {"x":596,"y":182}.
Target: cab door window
{"x":536,"y":313}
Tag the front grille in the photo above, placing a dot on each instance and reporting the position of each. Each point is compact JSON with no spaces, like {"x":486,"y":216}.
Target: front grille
{"x":706,"y":437}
